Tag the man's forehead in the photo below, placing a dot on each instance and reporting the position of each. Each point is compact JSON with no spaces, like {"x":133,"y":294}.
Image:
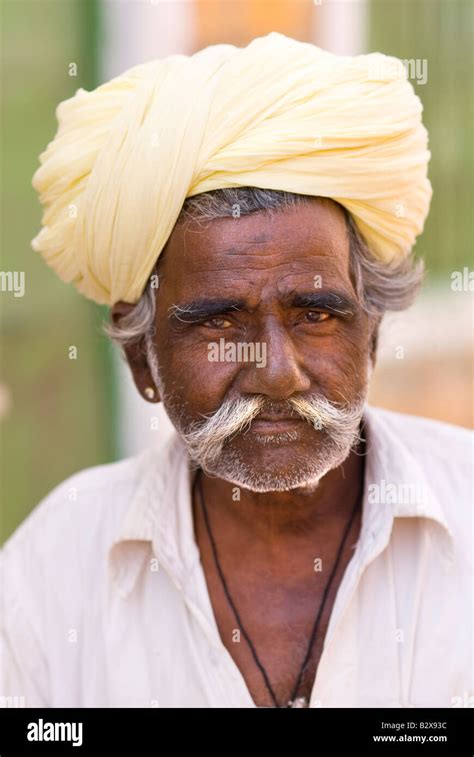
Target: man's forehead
{"x":311,"y":237}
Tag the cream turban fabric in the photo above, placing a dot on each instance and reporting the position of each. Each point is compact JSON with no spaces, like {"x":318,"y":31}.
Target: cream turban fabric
{"x":277,"y":114}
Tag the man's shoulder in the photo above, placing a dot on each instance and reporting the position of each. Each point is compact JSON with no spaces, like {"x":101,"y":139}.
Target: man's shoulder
{"x":438,"y":454}
{"x":92,"y":501}
{"x":428,"y":438}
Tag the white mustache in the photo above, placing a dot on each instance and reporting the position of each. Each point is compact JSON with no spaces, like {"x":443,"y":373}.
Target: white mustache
{"x":205,"y":440}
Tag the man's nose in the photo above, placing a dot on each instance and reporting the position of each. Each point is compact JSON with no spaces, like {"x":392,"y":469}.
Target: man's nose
{"x":281,"y":374}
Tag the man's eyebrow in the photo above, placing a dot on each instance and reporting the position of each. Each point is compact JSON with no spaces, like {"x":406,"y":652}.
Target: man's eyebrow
{"x":206,"y":308}
{"x":334,"y":302}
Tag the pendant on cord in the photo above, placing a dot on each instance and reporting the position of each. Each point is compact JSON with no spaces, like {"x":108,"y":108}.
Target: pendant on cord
{"x":298,"y":702}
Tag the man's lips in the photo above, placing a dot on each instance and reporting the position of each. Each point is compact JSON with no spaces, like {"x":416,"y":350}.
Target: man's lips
{"x":275,"y":424}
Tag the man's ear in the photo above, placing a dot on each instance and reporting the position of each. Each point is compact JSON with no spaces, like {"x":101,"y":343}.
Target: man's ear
{"x":136,"y":357}
{"x":374,"y":342}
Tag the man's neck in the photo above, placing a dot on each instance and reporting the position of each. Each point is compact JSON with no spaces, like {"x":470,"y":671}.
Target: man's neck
{"x":276,"y":523}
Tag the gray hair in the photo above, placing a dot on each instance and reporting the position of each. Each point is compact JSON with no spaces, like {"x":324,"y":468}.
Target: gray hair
{"x":380,"y":286}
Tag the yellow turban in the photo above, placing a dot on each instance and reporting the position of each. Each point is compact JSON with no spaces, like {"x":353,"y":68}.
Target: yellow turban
{"x":277,"y":114}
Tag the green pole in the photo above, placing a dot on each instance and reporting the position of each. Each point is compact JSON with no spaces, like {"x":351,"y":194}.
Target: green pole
{"x":91,"y":46}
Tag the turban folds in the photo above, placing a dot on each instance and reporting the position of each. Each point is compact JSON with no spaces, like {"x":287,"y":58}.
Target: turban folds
{"x":277,"y":114}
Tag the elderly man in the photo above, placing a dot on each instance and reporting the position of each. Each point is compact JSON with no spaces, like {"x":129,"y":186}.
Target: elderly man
{"x":248,"y":214}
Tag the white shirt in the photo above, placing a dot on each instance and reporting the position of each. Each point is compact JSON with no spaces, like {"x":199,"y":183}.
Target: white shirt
{"x":105,"y":603}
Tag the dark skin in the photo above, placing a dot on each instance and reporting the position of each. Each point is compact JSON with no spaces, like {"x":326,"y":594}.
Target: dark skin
{"x":267,"y":542}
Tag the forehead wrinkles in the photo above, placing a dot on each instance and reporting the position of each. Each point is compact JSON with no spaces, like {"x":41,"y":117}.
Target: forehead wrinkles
{"x":279,"y":260}
{"x":311,"y":224}
{"x":319,"y":273}
{"x":282,"y":247}
{"x":232,"y":250}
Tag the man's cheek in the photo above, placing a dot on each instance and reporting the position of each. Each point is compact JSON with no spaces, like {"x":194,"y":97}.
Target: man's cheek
{"x":349,"y":354}
{"x":198,"y":388}
{"x":340,"y":372}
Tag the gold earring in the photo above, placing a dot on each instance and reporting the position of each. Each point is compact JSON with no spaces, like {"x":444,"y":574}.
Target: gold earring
{"x":149,"y":393}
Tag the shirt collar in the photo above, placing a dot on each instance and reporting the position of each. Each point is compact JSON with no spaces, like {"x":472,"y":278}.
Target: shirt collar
{"x":158,"y":524}
{"x":396,"y":486}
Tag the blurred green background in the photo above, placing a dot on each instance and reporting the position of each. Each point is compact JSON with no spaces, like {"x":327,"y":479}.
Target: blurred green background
{"x":442,"y":32}
{"x":59,"y":415}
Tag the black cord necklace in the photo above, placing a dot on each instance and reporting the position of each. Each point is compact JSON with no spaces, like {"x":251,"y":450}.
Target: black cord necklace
{"x":293,"y":701}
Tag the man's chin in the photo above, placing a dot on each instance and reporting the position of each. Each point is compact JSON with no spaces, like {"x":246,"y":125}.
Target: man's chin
{"x":272,"y":477}
{"x":275,"y":457}
{"x":266,"y":483}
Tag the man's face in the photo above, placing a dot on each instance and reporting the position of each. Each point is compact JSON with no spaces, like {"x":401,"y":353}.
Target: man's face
{"x":279,"y":284}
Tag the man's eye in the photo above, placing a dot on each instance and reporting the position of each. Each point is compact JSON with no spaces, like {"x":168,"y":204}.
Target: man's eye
{"x":315,"y":316}
{"x":217,"y":323}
